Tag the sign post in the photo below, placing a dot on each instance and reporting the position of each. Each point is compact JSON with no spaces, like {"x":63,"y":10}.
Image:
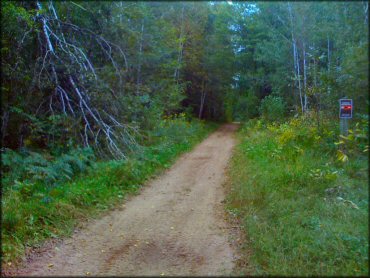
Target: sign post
{"x":345,"y":113}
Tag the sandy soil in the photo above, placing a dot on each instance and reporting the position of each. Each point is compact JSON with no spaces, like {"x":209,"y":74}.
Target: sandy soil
{"x":175,"y":226}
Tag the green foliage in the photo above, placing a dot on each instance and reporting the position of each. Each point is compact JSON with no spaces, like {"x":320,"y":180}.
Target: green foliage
{"x":303,"y":211}
{"x":331,"y":45}
{"x":172,"y":55}
{"x":32,"y":211}
{"x":19,"y":168}
{"x":242,"y":106}
{"x":272,"y":108}
{"x":16,"y":14}
{"x":356,"y":142}
{"x":229,"y":109}
{"x":176,"y":128}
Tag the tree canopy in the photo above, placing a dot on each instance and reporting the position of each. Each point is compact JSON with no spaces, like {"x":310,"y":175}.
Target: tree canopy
{"x":100,"y":74}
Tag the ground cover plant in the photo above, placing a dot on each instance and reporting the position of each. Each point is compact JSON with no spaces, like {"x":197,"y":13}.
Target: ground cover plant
{"x":301,"y":192}
{"x":39,"y":201}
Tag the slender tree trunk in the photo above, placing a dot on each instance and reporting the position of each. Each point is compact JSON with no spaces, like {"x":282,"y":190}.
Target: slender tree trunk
{"x":318,"y":109}
{"x":181,"y":47}
{"x":202,"y":99}
{"x":295,"y":56}
{"x":317,"y":95}
{"x":121,"y":13}
{"x":298,"y":76}
{"x":138,"y":77}
{"x":329,"y":90}
{"x":4,"y":124}
{"x":328,"y":53}
{"x":305,"y":77}
{"x":294,"y":66}
{"x":366,"y":9}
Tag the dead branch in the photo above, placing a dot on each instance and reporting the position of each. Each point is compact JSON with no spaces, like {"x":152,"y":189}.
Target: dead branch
{"x":64,"y":53}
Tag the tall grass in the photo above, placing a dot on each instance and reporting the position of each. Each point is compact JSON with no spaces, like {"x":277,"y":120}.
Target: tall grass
{"x":33,"y":211}
{"x":304,"y":208}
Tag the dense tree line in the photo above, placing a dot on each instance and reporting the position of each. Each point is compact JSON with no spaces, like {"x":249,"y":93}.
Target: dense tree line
{"x":310,"y":54}
{"x":101,"y":74}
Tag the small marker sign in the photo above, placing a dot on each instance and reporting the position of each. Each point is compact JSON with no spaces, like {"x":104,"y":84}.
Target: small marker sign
{"x":345,"y":108}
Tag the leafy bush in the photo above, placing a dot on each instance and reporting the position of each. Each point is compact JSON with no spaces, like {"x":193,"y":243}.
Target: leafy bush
{"x":32,"y":167}
{"x":246,"y":107}
{"x":241,"y":106}
{"x":357,"y":140}
{"x":272,"y":108}
{"x":176,"y":128}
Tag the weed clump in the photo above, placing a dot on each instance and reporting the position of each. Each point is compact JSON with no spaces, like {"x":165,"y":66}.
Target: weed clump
{"x":304,"y":208}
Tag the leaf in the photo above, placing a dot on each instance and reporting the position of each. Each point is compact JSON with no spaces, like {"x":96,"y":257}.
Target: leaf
{"x":341,"y":156}
{"x":352,"y":204}
{"x":339,"y":143}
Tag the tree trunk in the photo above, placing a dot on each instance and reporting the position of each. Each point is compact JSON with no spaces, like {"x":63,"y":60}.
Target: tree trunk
{"x":317,"y":95}
{"x":181,"y":47}
{"x":138,"y":77}
{"x":295,"y":56}
{"x":4,"y":124}
{"x":298,"y":76}
{"x":202,"y":99}
{"x":329,"y":63}
{"x":366,"y":8}
{"x":305,"y":77}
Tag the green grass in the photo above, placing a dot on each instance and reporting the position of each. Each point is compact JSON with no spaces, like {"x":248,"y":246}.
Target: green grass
{"x":34,"y":212}
{"x":303,"y":211}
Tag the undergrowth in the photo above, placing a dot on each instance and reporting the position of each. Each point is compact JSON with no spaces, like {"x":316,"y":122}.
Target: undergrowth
{"x":301,"y":192}
{"x":45,"y":198}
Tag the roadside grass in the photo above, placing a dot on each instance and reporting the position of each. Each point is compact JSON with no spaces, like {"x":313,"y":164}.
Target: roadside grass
{"x":302,"y":198}
{"x":34,"y":212}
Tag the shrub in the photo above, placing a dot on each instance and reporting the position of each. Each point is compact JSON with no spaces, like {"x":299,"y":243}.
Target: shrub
{"x":27,"y":166}
{"x":246,"y":107}
{"x":272,"y":108}
{"x":176,"y":129}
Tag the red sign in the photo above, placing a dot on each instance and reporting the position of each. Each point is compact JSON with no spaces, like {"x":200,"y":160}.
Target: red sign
{"x":345,"y":108}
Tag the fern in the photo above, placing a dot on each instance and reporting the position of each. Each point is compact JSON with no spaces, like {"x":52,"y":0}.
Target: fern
{"x":44,"y":169}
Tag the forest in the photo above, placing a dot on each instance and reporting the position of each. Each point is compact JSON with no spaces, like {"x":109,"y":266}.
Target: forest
{"x":98,"y":96}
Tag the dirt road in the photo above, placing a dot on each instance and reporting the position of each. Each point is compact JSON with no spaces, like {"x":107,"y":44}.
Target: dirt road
{"x":175,"y":226}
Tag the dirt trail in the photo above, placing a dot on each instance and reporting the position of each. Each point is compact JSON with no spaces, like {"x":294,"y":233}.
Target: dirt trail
{"x":176,"y":226}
